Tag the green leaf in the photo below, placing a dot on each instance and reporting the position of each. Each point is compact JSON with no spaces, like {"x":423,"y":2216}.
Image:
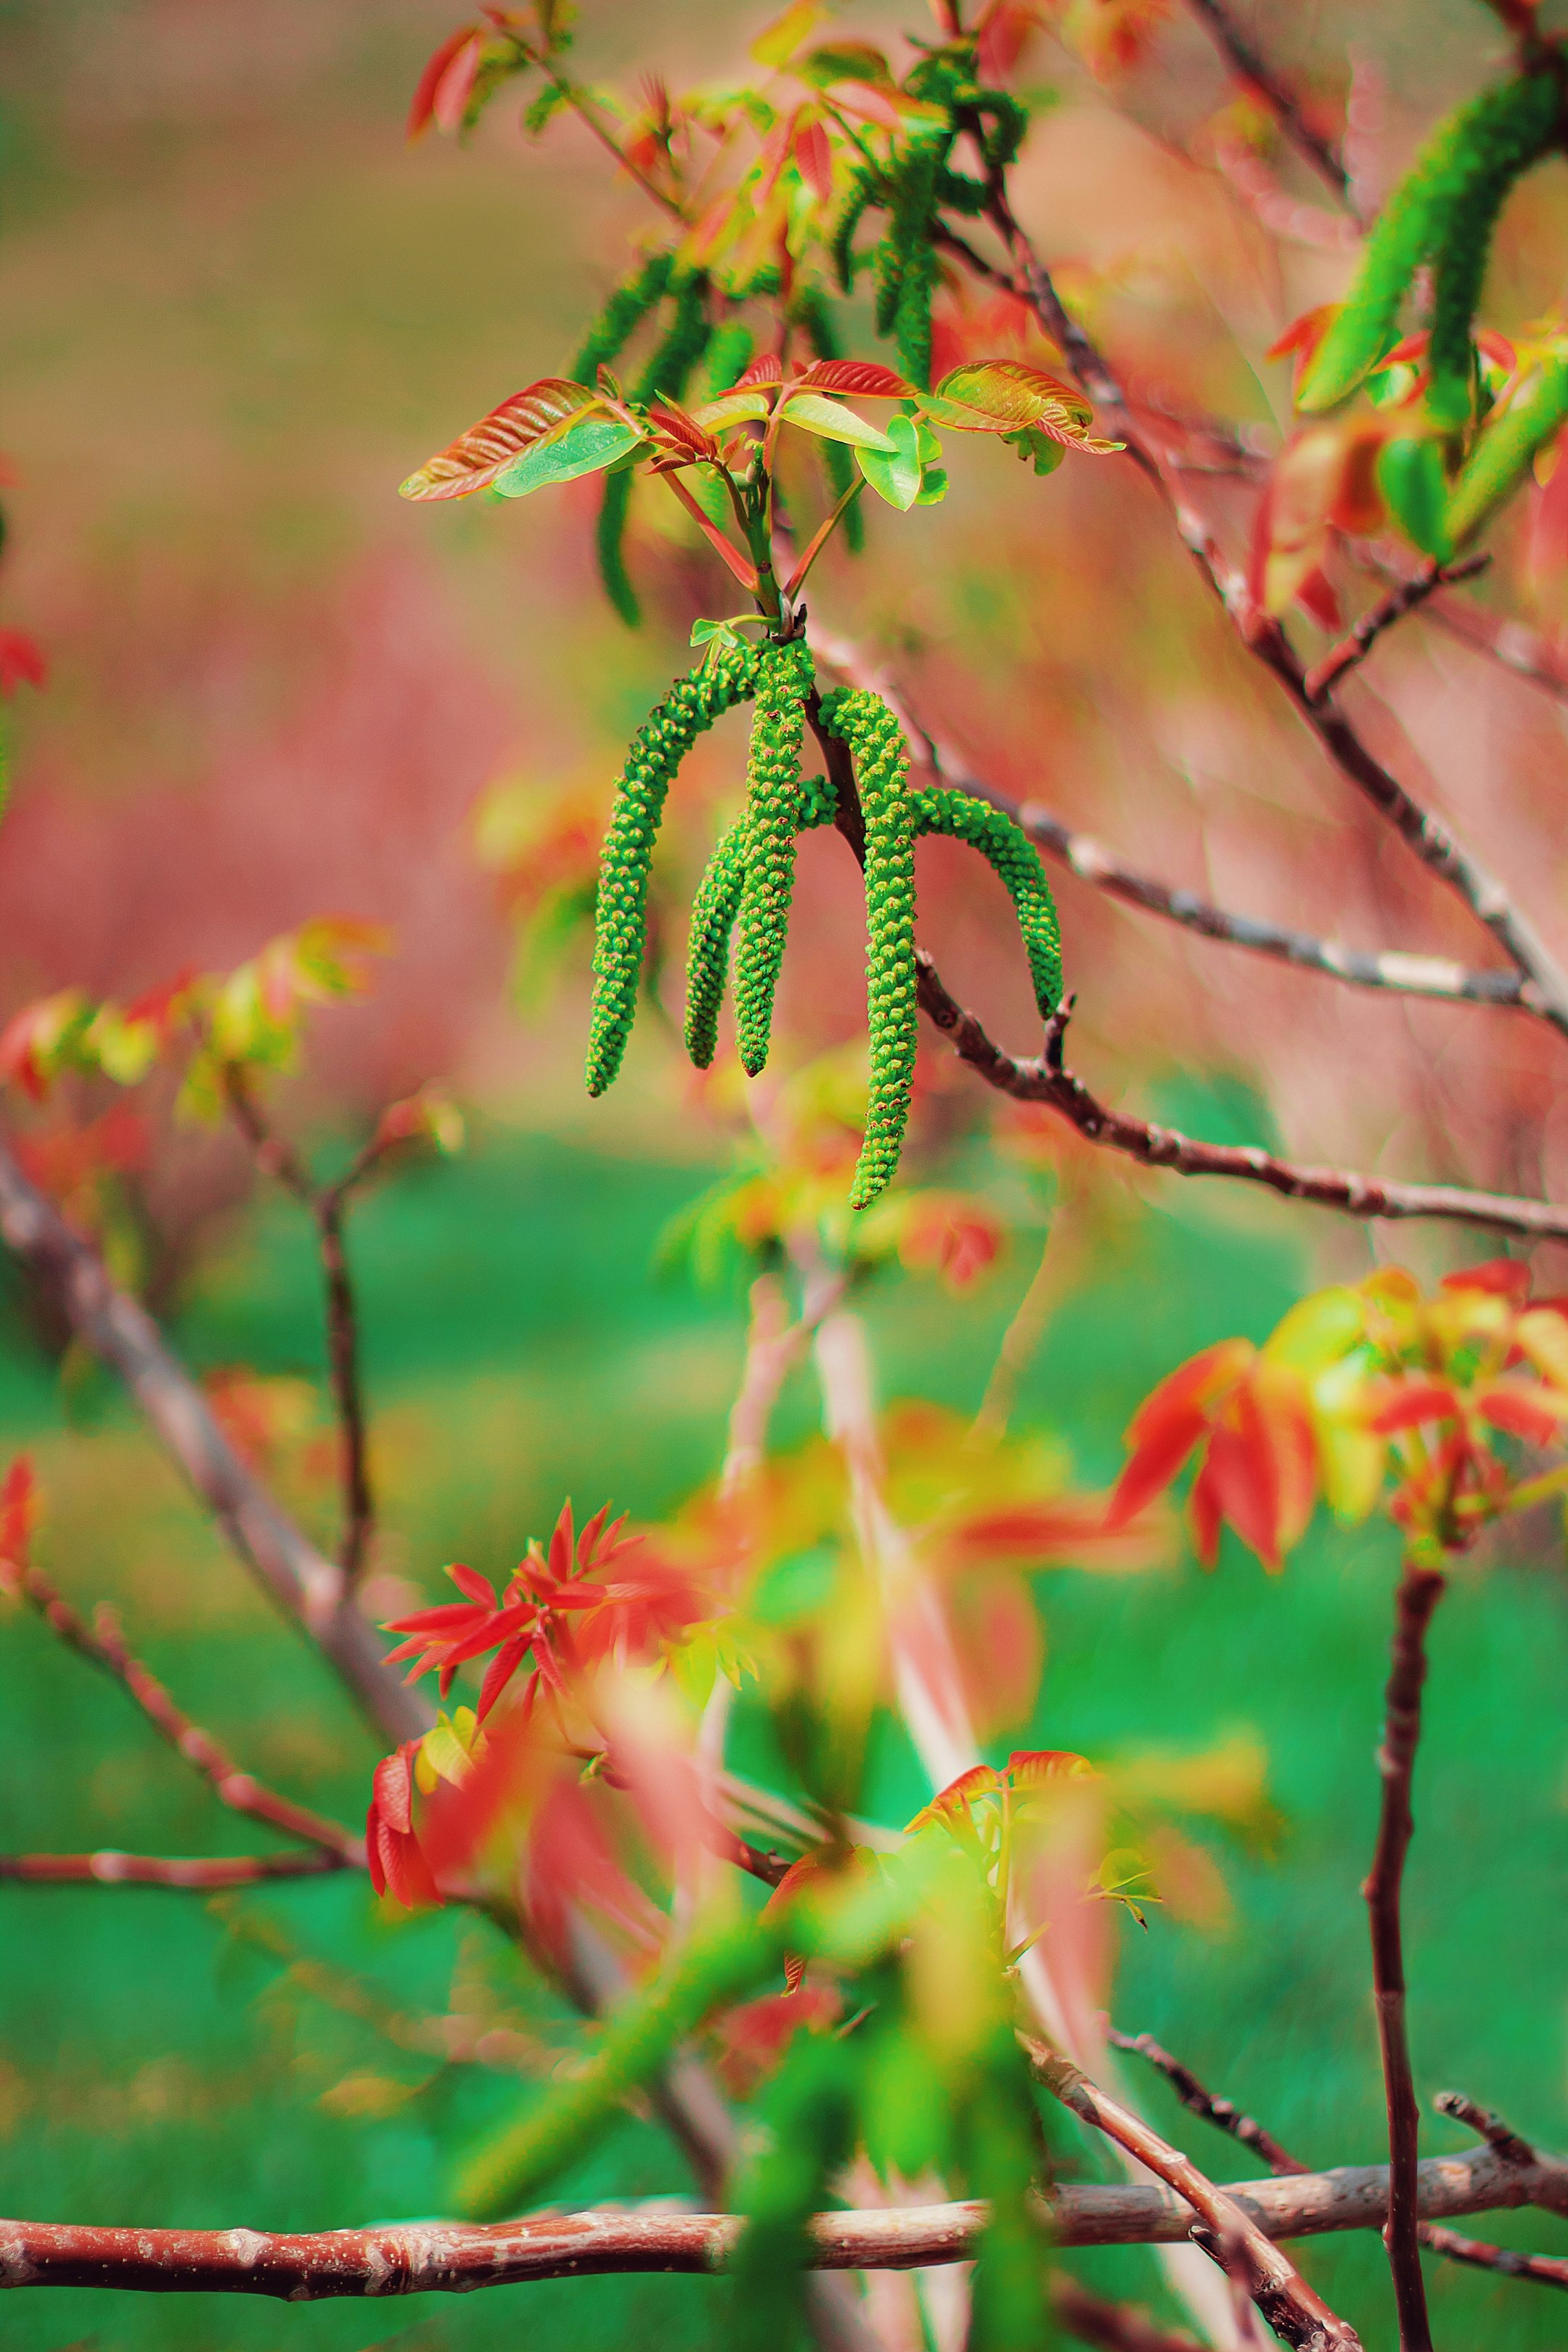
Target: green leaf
{"x":733,"y":408}
{"x":933,"y":487}
{"x":1410,"y":476}
{"x":815,"y":412}
{"x":585,"y":448}
{"x":898,"y":477}
{"x":1005,"y":396}
{"x":1047,"y":454}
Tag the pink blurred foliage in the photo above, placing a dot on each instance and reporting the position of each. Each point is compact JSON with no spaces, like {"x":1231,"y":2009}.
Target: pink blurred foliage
{"x":349,"y":794}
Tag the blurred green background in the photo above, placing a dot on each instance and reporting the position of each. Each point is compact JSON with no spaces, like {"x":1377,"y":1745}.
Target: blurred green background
{"x":234,"y":310}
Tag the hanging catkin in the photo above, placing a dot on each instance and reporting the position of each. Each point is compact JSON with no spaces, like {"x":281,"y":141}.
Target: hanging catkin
{"x":1016,"y":860}
{"x":882,"y":763}
{"x":770,"y":822}
{"x":660,"y":744}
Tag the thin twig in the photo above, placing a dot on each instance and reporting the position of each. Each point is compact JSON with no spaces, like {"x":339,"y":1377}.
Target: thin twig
{"x":1390,"y":970}
{"x":1290,"y":2306}
{"x":1046,"y":1081}
{"x":455,"y":2257}
{"x":206,"y":1875}
{"x":1420,"y":1591}
{"x":1431,"y":840}
{"x":1406,"y":597}
{"x":113,"y":1327}
{"x":102,"y":1646}
{"x":325,"y":1205}
{"x":1548,"y":2270}
{"x":1248,"y":64}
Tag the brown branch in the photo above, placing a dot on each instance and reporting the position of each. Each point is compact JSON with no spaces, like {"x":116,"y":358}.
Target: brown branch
{"x":1548,"y":2270}
{"x":1230,"y":2235}
{"x":1407,"y":596}
{"x":453,"y":2257}
{"x":1545,"y":989}
{"x":325,"y":1205}
{"x":101,"y":1646}
{"x":113,"y":1327}
{"x":1111,"y":2326}
{"x":1223,"y":2113}
{"x":1391,"y":970}
{"x":1420,"y":1591}
{"x":1349,"y":1193}
{"x":1249,"y":67}
{"x":206,"y":1875}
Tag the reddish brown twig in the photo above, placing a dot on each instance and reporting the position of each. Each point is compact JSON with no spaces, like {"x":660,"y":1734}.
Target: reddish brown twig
{"x":1111,"y":2326}
{"x":113,"y":1327}
{"x":206,"y":1875}
{"x":1389,"y":969}
{"x":325,"y":1205}
{"x":101,"y":1646}
{"x":1230,"y":2233}
{"x":1548,"y":2270}
{"x":1408,"y":597}
{"x":1047,"y":1081}
{"x":1249,"y":67}
{"x":1420,"y":1591}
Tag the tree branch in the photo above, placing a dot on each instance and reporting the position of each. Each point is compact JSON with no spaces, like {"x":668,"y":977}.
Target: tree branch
{"x":1391,"y":970}
{"x":1546,"y":989}
{"x":1248,"y":66}
{"x":1352,"y":1194}
{"x":206,"y":1875}
{"x":116,"y":1329}
{"x":1420,"y":1591}
{"x":1230,"y":2235}
{"x":1407,"y":596}
{"x":1548,"y":2270}
{"x":453,"y":2257}
{"x":101,"y":1646}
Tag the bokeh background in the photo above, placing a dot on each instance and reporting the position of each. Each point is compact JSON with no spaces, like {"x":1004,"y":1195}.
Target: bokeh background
{"x":234,"y":310}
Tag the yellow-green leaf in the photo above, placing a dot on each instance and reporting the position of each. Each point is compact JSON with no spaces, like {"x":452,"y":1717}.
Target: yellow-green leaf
{"x":813,"y":412}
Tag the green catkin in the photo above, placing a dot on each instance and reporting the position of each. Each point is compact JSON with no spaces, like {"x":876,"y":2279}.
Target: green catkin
{"x":882,"y":763}
{"x":1015,"y":859}
{"x":1504,"y":449}
{"x":620,"y":318}
{"x":713,"y":912}
{"x":865,"y":188}
{"x":728,"y":356}
{"x":620,"y":922}
{"x":667,"y":370}
{"x":770,"y":822}
{"x":1505,"y":141}
{"x":906,"y":279}
{"x":1444,"y":208}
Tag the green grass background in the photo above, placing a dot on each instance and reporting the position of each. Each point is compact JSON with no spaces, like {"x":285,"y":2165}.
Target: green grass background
{"x":522,"y":1343}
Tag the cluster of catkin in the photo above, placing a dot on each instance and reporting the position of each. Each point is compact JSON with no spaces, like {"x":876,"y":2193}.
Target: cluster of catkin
{"x":744,"y":899}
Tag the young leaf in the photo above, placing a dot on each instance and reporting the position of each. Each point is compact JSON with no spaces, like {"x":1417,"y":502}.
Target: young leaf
{"x":897,"y":475}
{"x":1009,"y":396}
{"x":733,"y":408}
{"x":813,"y":413}
{"x":588,"y":448}
{"x":475,"y":457}
{"x":861,"y":379}
{"x":432,"y":101}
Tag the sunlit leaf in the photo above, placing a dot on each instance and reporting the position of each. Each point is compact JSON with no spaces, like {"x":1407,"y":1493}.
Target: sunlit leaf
{"x":812,"y":412}
{"x":587,"y":448}
{"x":449,"y":70}
{"x":733,"y":408}
{"x":1005,"y":396}
{"x":861,"y":379}
{"x":836,"y":61}
{"x":475,"y":457}
{"x":777,"y":42}
{"x":896,"y":474}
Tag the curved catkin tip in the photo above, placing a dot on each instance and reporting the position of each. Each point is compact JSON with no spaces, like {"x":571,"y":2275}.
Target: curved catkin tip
{"x":1504,"y":449}
{"x":1014,"y":858}
{"x":1452,"y":190}
{"x":620,"y":920}
{"x":770,"y":822}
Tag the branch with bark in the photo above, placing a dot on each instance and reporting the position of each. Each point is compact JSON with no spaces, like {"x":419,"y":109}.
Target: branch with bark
{"x":441,"y":2257}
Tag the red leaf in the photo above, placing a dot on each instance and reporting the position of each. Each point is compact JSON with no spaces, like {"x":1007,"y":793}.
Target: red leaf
{"x":474,"y":459}
{"x":683,"y":431}
{"x":1208,"y":1515}
{"x":1170,"y":1421}
{"x":980,"y":1780}
{"x":862,"y":379}
{"x":1030,"y":1768}
{"x":499,"y":1673}
{"x":21,"y":661}
{"x":19,"y":1513}
{"x":1505,"y":1275}
{"x":562,"y":1544}
{"x":1414,"y":1401}
{"x":422,"y":112}
{"x":815,"y":157}
{"x":1518,"y":1410}
{"x":391,"y":1787}
{"x":764,"y":369}
{"x":477,"y":1587}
